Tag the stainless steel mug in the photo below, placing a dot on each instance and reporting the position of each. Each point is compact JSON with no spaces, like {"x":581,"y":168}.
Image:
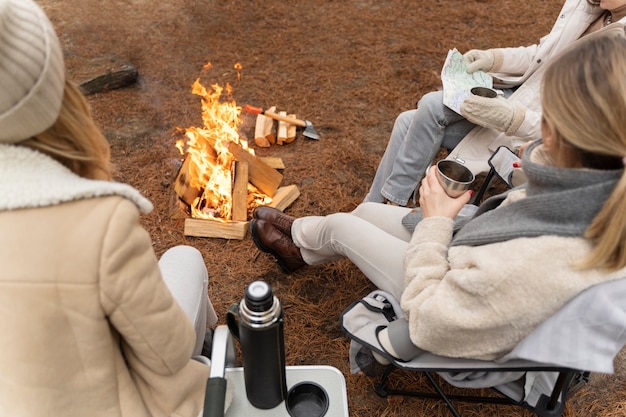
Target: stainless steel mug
{"x":454,"y":177}
{"x":484,"y":92}
{"x":257,"y":323}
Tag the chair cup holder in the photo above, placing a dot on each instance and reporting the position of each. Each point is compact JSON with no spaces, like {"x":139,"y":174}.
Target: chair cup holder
{"x":307,"y":399}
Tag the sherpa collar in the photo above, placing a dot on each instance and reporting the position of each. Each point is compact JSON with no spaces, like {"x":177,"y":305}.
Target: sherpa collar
{"x":30,"y":179}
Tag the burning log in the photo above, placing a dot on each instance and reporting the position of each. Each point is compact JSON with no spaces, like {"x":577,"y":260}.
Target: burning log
{"x":185,"y":195}
{"x":214,"y":228}
{"x":220,"y":179}
{"x":283,"y":198}
{"x":240,"y":192}
{"x":178,"y":209}
{"x":237,"y":228}
{"x":262,"y":173}
{"x":182,"y":184}
{"x":262,"y":176}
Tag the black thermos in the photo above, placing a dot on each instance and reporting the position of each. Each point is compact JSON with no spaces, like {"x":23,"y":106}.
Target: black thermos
{"x":257,"y":322}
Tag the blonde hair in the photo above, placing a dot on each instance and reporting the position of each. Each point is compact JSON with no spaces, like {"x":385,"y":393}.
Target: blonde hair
{"x":74,"y":139}
{"x":584,"y":104}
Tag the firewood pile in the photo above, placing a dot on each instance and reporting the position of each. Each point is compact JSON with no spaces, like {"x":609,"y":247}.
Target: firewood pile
{"x":268,"y":132}
{"x":261,"y":172}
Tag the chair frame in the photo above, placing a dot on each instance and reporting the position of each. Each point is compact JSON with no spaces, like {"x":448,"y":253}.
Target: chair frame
{"x":363,"y":318}
{"x":493,"y":173}
{"x":568,"y":382}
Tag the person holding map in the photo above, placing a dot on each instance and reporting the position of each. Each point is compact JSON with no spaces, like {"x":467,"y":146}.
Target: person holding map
{"x":474,"y":290}
{"x":485,"y":123}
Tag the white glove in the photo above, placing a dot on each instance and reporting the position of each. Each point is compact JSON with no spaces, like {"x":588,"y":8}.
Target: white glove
{"x":479,"y":60}
{"x":494,"y":113}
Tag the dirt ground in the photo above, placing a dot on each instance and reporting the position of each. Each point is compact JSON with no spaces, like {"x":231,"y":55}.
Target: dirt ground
{"x":348,"y":66}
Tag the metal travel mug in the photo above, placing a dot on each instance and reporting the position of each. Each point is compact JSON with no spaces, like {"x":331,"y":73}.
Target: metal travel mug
{"x":484,"y":92}
{"x":257,"y":322}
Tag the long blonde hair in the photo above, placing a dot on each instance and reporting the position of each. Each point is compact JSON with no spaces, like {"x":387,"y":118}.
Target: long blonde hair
{"x":584,"y":104}
{"x":74,"y":139}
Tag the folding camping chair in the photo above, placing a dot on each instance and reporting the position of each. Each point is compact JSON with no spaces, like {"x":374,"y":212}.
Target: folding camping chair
{"x":501,"y":167}
{"x":538,"y":374}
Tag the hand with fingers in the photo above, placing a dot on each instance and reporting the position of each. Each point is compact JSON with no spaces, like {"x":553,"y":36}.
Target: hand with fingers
{"x":479,"y":60}
{"x":435,"y":202}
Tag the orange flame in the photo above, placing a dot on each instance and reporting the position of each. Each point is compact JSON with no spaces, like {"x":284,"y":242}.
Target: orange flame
{"x":210,"y":164}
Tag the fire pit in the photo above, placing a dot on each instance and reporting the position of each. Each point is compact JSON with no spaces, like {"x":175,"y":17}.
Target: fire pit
{"x":221,"y":180}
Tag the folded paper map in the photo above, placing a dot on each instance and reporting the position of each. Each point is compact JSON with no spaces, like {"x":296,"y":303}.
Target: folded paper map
{"x":457,"y":83}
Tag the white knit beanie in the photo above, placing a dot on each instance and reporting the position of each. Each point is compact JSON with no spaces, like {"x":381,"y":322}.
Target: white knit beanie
{"x":32,"y":74}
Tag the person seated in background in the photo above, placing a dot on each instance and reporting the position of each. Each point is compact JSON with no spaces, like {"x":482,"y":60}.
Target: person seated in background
{"x":485,"y":123}
{"x":92,"y":323}
{"x":476,"y":290}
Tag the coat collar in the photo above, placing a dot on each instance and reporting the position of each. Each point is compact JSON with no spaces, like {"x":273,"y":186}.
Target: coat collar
{"x":30,"y":179}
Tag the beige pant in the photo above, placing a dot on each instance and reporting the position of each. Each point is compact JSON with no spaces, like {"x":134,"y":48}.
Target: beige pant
{"x":372,"y":237}
{"x":186,"y":277}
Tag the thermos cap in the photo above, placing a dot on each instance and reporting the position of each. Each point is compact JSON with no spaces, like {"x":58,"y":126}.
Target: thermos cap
{"x":259,"y":296}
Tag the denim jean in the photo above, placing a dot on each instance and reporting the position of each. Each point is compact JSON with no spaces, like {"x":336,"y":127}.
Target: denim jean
{"x":415,"y":140}
{"x":372,"y":237}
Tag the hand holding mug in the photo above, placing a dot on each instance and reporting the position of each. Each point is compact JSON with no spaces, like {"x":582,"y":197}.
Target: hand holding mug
{"x":443,"y":195}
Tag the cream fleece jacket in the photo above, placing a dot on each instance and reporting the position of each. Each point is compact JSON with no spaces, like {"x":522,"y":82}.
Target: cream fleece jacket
{"x":89,"y":325}
{"x":479,"y":298}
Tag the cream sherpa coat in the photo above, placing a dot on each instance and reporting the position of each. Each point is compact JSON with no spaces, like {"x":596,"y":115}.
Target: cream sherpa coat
{"x":88,"y":326}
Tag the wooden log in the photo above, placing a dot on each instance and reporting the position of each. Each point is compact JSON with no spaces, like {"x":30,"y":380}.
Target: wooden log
{"x":284,"y":197}
{"x":291,"y":131}
{"x":282,"y":129}
{"x":259,"y":138}
{"x":107,"y":73}
{"x":240,"y":191}
{"x":273,"y":161}
{"x":268,"y":129}
{"x":263,"y":135}
{"x":215,"y":228}
{"x":182,"y":184}
{"x":178,"y":209}
{"x":261,"y":175}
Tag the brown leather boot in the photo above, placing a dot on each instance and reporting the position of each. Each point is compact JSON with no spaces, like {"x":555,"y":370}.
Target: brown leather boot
{"x":274,"y":216}
{"x":270,"y":240}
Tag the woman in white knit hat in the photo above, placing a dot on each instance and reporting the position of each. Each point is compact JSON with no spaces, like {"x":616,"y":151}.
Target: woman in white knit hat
{"x":91,"y":322}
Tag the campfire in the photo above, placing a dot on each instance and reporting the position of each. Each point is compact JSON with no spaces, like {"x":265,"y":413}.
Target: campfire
{"x":221,"y":180}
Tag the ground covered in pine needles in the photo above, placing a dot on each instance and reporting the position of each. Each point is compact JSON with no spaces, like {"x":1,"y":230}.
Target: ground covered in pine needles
{"x":347,"y":66}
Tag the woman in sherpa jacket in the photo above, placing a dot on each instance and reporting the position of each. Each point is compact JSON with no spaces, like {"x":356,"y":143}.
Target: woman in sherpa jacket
{"x":478,"y":291}
{"x":89,"y":327}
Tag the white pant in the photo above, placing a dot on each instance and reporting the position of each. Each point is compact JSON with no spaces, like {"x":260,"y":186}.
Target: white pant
{"x":372,"y":237}
{"x":186,"y":277}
